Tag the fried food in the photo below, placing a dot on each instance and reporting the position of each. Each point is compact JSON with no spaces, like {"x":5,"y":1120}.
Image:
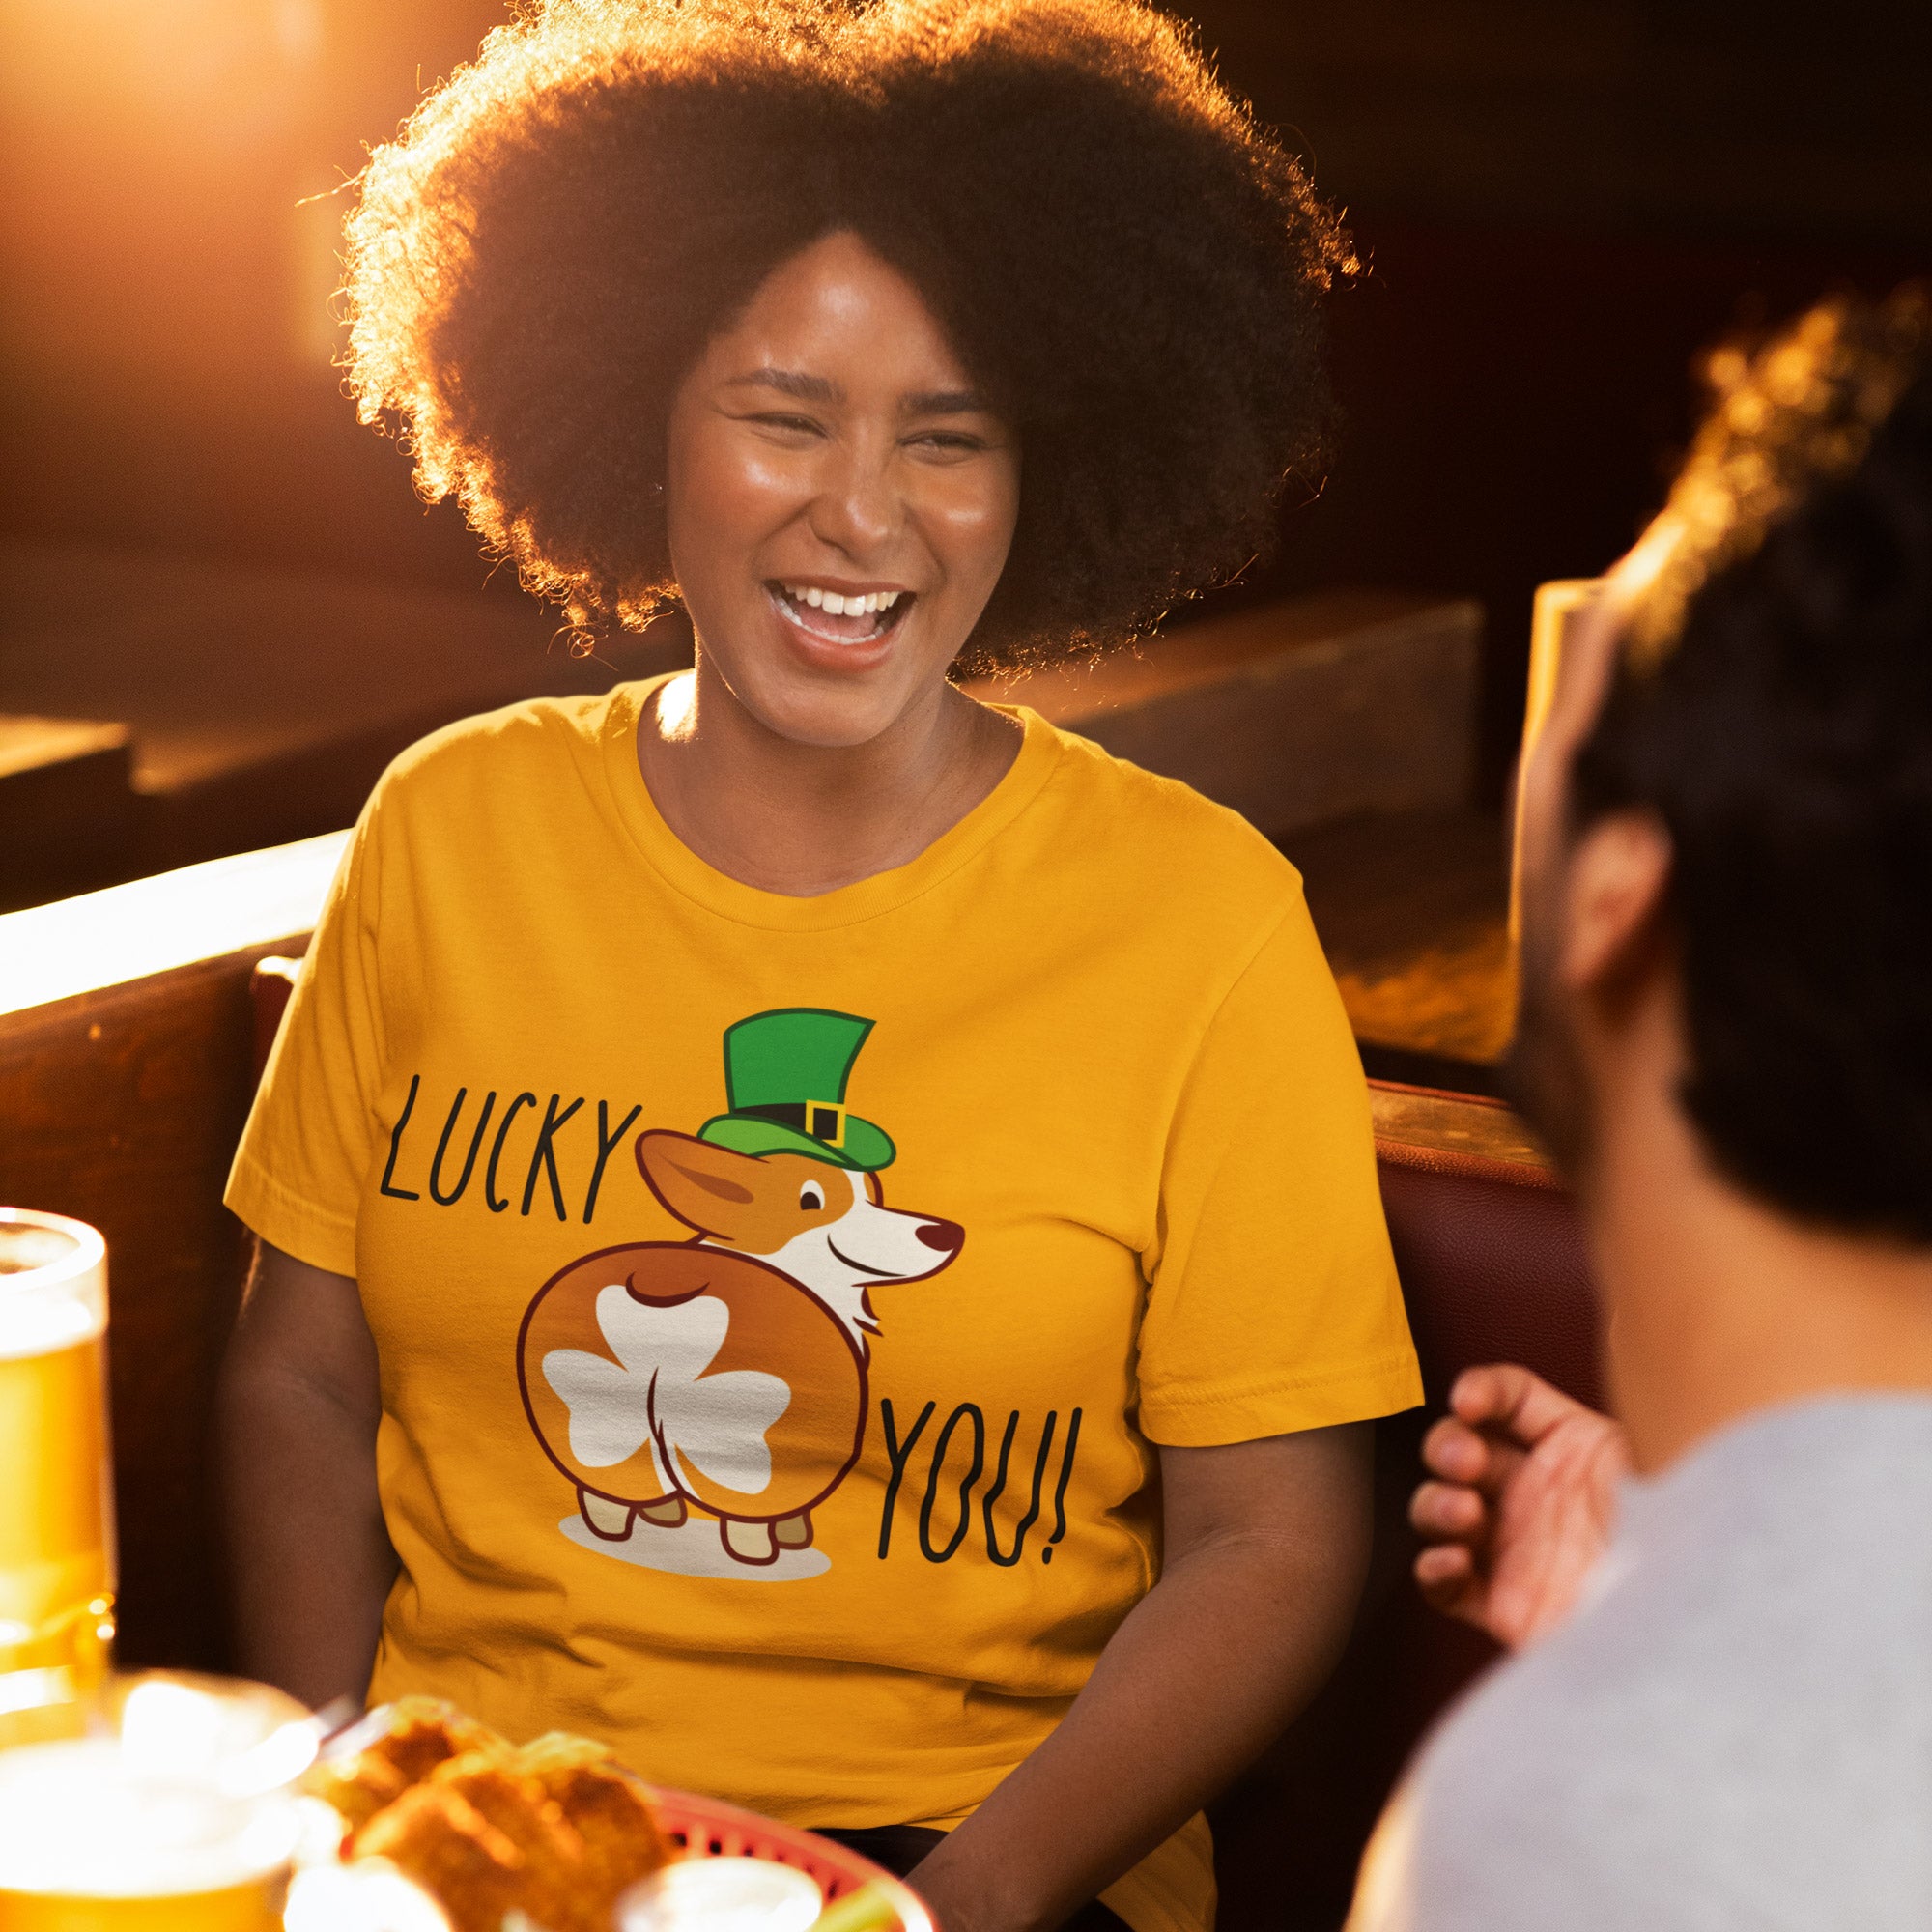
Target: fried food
{"x":610,"y":1808}
{"x":554,"y":1831}
{"x":423,"y":1732}
{"x":484,"y":1841}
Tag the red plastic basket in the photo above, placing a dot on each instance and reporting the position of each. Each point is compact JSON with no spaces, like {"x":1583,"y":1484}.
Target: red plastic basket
{"x":703,"y":1828}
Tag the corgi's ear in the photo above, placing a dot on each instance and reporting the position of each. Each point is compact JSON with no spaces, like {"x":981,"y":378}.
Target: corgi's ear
{"x":705,"y":1186}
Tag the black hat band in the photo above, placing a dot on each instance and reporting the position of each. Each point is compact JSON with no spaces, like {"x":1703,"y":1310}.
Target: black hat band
{"x":822,"y":1119}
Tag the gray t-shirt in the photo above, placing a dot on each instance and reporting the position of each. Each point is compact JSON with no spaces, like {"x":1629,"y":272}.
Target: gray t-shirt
{"x":1734,"y":1728}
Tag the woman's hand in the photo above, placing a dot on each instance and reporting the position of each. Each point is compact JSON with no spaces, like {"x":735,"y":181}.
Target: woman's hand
{"x":1522,"y":1504}
{"x":309,"y":1558}
{"x":1266,"y":1545}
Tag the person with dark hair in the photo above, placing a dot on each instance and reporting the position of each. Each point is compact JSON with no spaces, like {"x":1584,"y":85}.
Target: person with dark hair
{"x":819,"y":1231}
{"x":1128,"y":265}
{"x":1720,"y":1711}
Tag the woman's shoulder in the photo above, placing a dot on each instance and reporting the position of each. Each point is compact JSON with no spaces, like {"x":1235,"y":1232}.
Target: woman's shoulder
{"x":1163,"y":835}
{"x":501,"y":754}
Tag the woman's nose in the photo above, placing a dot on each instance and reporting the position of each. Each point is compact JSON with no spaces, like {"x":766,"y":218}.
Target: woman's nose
{"x":858,"y":510}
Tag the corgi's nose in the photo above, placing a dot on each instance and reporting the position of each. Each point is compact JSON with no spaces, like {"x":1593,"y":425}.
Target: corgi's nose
{"x":947,"y":1237}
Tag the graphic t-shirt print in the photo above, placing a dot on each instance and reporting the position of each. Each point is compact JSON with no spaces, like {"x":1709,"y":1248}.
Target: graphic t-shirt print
{"x":704,"y":1397}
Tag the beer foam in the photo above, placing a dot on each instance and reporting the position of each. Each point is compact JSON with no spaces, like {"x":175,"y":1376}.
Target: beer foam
{"x":51,"y":1247}
{"x":83,"y":1820}
{"x":25,"y":1247}
{"x":43,"y":1325}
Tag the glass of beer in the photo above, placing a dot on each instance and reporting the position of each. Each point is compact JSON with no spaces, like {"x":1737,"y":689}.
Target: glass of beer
{"x":56,"y":1500}
{"x":174,"y":1815}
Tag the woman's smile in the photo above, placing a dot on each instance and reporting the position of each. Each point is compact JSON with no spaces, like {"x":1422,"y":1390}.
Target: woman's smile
{"x":853,"y":624}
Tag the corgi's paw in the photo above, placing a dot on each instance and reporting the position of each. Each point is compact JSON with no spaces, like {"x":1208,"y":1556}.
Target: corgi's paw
{"x":793,"y":1532}
{"x":604,"y":1517}
{"x":749,"y":1542}
{"x":667,"y":1511}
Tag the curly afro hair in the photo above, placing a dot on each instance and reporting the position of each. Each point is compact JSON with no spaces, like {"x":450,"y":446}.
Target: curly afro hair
{"x":1128,"y":265}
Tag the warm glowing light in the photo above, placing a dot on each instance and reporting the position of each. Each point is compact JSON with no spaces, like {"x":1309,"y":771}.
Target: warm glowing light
{"x":278,"y":1760}
{"x":83,"y":1823}
{"x":1382,"y":1895}
{"x":44,"y":1689}
{"x":170,"y":1807}
{"x":173,"y":1730}
{"x":1638,"y":568}
{"x":1558,"y":605}
{"x":677,"y":705}
{"x":168,"y":1730}
{"x":152,"y":925}
{"x":368,"y":1896}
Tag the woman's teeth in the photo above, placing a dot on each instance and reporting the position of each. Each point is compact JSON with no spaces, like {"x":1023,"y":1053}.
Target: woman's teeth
{"x":834,"y":617}
{"x":838,"y":606}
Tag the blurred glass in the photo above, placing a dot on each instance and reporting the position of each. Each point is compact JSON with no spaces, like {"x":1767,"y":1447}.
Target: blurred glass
{"x":174,"y":1815}
{"x":56,"y":1502}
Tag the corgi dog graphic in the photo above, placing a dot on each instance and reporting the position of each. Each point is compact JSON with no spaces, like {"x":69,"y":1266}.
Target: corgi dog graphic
{"x":728,"y":1373}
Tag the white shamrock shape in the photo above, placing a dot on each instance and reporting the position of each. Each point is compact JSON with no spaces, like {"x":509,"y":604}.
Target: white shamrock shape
{"x":658,"y":1389}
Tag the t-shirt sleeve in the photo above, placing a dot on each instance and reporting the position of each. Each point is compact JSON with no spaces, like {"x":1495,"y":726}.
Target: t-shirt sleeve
{"x":304,"y":1155}
{"x":1273,"y":1303}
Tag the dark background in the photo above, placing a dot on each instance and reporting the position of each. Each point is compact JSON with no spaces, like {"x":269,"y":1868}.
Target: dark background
{"x":1558,"y":203}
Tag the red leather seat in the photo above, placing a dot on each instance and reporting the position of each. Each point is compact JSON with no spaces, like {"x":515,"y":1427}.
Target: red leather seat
{"x":1492,"y":1267}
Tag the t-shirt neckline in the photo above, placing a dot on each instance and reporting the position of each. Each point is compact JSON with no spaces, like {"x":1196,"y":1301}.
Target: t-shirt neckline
{"x":731,"y":898}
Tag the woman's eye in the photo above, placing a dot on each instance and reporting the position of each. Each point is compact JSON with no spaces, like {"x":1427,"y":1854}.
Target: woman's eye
{"x":797,"y":425}
{"x":809,"y":1197}
{"x":950,"y":442}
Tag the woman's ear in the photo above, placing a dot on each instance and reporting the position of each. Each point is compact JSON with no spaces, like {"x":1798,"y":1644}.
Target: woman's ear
{"x":1616,"y":876}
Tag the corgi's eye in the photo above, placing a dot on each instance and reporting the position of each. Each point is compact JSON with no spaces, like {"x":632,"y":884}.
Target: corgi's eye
{"x":812,"y":1196}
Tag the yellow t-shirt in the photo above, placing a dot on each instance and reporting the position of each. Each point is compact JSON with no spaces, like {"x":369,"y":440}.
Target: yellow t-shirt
{"x":779,"y":1300}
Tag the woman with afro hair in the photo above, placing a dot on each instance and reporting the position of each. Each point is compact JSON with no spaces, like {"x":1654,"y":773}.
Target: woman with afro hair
{"x":817,"y":1229}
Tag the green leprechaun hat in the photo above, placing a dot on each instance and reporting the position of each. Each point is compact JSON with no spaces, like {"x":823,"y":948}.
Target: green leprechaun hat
{"x":785,"y":1087}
